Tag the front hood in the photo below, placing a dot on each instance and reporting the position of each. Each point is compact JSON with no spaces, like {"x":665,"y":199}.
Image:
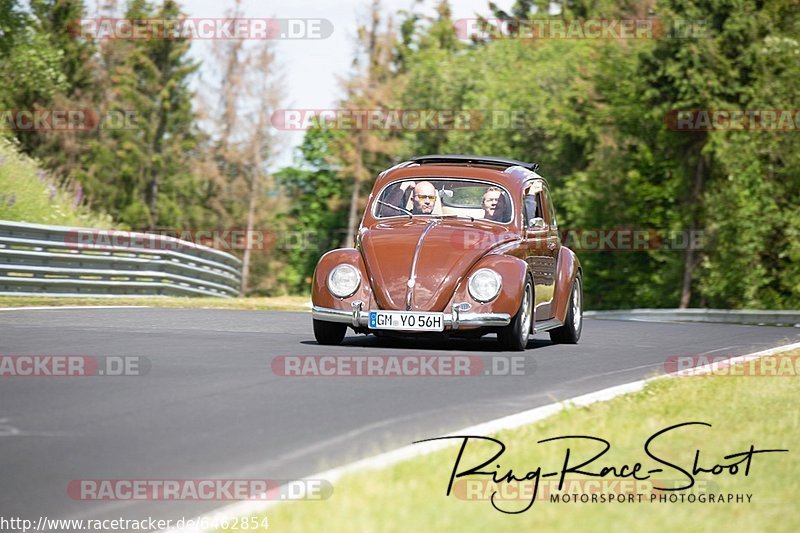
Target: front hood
{"x":439,"y":251}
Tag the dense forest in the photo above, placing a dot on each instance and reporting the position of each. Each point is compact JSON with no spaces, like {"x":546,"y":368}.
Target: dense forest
{"x":598,"y":114}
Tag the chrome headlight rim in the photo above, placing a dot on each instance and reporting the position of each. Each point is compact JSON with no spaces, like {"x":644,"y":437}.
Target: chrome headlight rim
{"x":343,"y":294}
{"x":493,"y":273}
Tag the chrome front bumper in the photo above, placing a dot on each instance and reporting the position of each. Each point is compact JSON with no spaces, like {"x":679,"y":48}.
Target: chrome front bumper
{"x":358,"y":317}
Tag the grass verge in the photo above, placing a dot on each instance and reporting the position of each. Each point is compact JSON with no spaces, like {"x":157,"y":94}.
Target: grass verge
{"x":277,"y":303}
{"x":410,"y":496}
{"x":29,"y":194}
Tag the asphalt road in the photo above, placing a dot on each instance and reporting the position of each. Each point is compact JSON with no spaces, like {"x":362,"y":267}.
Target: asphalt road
{"x":211,"y":407}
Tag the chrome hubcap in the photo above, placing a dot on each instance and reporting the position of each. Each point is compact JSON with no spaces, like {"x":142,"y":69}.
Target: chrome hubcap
{"x":526,"y":312}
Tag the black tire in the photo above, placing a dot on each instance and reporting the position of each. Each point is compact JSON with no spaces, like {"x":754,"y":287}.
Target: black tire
{"x":570,"y":332}
{"x":514,"y":337}
{"x":329,"y":333}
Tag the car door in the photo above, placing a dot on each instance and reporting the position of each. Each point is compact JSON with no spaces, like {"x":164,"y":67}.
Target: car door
{"x":542,"y":242}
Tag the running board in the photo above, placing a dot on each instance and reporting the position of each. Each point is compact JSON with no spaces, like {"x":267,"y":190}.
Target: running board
{"x":547,"y":325}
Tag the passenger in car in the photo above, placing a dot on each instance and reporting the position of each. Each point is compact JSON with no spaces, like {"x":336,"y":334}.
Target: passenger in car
{"x":489,"y":201}
{"x":502,"y":211}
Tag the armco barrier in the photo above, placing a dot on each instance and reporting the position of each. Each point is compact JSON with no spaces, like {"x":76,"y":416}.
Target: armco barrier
{"x":731,"y":316}
{"x":39,"y":260}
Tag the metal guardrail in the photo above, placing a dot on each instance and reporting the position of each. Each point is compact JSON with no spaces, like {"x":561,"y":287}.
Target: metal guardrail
{"x":39,"y":260}
{"x":730,"y":316}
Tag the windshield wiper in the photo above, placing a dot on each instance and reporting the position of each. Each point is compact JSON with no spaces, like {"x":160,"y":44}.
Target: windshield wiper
{"x":471,"y":219}
{"x":406,"y":211}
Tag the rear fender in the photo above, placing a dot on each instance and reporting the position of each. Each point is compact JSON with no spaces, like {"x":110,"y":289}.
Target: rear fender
{"x":567,"y":270}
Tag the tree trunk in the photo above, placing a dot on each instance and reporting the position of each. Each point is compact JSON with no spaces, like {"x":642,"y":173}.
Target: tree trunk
{"x":261,"y":145}
{"x":158,"y":149}
{"x":255,"y":191}
{"x":352,"y":218}
{"x":155,"y":169}
{"x":689,"y":261}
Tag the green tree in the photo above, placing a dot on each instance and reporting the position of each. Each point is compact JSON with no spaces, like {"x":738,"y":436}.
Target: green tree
{"x":143,"y":174}
{"x":317,"y":218}
{"x":30,"y":64}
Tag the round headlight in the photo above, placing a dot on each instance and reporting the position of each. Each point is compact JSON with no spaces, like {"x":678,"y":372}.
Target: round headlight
{"x":484,"y":284}
{"x":344,"y":280}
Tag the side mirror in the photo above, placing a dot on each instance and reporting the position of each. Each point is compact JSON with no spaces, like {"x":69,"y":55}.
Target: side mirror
{"x":536,"y":223}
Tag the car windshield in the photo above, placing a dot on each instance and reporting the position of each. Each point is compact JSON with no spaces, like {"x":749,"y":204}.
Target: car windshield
{"x":444,"y":197}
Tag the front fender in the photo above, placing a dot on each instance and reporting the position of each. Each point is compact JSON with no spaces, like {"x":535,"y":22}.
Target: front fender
{"x":513,"y":272}
{"x":321,"y":296}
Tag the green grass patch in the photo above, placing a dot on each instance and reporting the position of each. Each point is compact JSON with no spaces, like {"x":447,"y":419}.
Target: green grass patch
{"x":29,"y":194}
{"x":277,"y":303}
{"x":410,"y":496}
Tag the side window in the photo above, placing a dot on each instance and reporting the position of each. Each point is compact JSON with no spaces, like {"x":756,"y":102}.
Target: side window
{"x":533,"y":203}
{"x":551,"y":210}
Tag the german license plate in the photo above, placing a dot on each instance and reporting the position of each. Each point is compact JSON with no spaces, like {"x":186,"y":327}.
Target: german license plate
{"x":406,"y":321}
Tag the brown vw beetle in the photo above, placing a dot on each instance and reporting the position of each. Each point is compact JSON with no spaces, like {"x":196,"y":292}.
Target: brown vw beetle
{"x":455,"y":245}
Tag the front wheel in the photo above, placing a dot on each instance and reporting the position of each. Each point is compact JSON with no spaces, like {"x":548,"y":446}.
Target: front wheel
{"x":514,"y":337}
{"x":570,"y":332}
{"x":329,"y":333}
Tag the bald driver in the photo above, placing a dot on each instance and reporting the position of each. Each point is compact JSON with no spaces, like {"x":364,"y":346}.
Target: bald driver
{"x":424,"y":198}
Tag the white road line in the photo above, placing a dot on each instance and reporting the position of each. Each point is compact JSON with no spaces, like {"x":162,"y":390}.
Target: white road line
{"x":251,"y":507}
{"x":718,"y":350}
{"x":47,"y":308}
